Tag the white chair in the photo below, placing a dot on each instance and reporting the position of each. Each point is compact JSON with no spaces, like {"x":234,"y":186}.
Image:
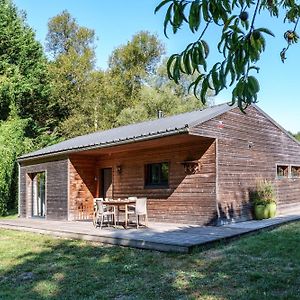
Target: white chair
{"x":129,"y":207}
{"x":102,"y":211}
{"x":140,"y":209}
{"x":132,"y":206}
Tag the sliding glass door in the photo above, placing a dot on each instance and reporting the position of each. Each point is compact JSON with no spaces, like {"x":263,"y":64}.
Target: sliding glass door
{"x":38,"y":195}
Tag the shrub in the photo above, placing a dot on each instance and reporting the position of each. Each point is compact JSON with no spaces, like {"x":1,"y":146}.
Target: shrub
{"x":12,"y":144}
{"x":265,"y":192}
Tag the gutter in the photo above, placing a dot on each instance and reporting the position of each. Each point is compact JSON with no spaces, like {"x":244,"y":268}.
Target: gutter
{"x":175,"y":131}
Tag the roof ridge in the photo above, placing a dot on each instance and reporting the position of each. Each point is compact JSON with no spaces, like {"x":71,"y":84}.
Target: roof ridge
{"x":153,"y":120}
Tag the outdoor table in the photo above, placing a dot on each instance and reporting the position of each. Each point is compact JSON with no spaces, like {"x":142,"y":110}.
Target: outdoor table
{"x":122,"y":202}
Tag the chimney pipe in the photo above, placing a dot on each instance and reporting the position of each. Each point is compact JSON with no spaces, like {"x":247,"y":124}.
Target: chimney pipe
{"x":160,"y":114}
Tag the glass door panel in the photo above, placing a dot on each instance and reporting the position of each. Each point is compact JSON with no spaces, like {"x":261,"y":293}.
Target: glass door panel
{"x":38,"y":195}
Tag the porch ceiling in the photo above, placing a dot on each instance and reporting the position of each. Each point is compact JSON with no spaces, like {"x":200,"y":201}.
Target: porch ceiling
{"x":175,"y":140}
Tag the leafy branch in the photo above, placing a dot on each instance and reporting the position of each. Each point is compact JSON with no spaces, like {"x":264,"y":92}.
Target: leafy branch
{"x":240,"y":43}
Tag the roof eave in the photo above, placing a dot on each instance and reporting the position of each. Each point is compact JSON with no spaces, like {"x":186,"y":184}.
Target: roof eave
{"x":175,"y":131}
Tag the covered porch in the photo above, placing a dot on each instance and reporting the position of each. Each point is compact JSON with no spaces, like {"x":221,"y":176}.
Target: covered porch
{"x":176,"y":173}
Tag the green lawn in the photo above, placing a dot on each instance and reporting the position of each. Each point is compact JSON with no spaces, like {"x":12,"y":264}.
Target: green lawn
{"x":262,"y":266}
{"x":12,"y":214}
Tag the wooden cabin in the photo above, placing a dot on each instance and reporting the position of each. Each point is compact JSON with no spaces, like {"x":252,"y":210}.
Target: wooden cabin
{"x":195,"y":168}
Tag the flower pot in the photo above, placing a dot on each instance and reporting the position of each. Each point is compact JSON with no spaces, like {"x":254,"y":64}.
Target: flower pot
{"x":271,"y":208}
{"x":260,"y":212}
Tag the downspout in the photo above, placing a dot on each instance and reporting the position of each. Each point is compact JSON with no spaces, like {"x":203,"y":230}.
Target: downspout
{"x":217,"y":181}
{"x":19,"y":189}
{"x":68,"y":196}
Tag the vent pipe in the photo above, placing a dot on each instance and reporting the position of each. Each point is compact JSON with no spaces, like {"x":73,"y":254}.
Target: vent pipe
{"x":160,"y":114}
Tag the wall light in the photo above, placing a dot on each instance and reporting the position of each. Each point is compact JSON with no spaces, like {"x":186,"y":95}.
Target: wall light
{"x":119,"y":169}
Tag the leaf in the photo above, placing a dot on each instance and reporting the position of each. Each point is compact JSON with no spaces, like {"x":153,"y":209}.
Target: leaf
{"x":206,"y":48}
{"x":187,"y":63}
{"x":167,"y":19}
{"x":266,"y":30}
{"x":205,"y":11}
{"x":228,"y":22}
{"x":215,"y":80}
{"x":253,"y":84}
{"x":204,"y":89}
{"x":194,"y":16}
{"x":160,"y":5}
{"x":255,"y":68}
{"x":169,"y":65}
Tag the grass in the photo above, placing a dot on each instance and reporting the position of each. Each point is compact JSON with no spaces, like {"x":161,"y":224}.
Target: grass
{"x":12,"y":214}
{"x":262,"y":266}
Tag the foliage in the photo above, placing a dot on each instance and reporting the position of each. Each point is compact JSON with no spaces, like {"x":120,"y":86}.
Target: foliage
{"x":160,"y":94}
{"x":265,"y":192}
{"x":297,"y":136}
{"x":241,"y":42}
{"x":130,"y":64}
{"x":72,"y":50}
{"x":264,"y":266}
{"x":97,"y":110}
{"x":65,"y":35}
{"x":12,"y":143}
{"x":23,"y":73}
{"x":24,"y":98}
{"x":132,"y":89}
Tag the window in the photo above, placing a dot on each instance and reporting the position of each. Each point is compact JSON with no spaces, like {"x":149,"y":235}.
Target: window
{"x":157,"y":175}
{"x":295,"y":171}
{"x":282,"y":171}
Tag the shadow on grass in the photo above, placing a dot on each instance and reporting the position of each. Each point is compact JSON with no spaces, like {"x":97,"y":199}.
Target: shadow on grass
{"x":265,"y":266}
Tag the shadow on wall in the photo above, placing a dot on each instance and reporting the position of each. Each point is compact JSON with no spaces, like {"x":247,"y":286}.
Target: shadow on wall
{"x":83,"y":189}
{"x":236,"y":210}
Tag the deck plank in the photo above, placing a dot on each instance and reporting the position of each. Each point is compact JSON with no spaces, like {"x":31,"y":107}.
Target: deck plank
{"x":158,"y":236}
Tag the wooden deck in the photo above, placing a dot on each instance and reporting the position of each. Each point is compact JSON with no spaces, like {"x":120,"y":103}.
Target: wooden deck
{"x":159,"y":236}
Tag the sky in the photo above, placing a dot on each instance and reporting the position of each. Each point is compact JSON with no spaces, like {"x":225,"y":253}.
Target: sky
{"x":115,"y":22}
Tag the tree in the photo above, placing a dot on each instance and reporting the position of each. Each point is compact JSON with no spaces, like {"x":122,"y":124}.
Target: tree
{"x":13,"y":143}
{"x":110,"y":94}
{"x":72,"y":49}
{"x":23,"y":68}
{"x":130,"y":64}
{"x":241,"y":42}
{"x":98,"y":109}
{"x":159,"y":93}
{"x":297,"y":136}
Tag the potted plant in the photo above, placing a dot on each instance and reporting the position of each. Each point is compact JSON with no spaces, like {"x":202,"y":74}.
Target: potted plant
{"x":264,"y":200}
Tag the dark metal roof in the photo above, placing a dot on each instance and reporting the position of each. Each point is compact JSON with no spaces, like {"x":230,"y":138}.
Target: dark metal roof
{"x":126,"y":134}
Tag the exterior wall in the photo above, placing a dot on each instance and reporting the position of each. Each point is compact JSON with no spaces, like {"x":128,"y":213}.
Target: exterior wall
{"x":82,"y":174}
{"x":56,"y":188}
{"x":249,"y":147}
{"x":188,"y":199}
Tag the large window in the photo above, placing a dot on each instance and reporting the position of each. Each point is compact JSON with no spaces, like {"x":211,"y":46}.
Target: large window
{"x":38,"y":194}
{"x":157,"y":175}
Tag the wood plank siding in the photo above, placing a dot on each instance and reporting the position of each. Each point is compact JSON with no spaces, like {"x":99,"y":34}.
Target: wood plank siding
{"x":232,"y":151}
{"x":189,"y":198}
{"x":56,"y":187}
{"x":83,"y":187}
{"x":249,"y":147}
